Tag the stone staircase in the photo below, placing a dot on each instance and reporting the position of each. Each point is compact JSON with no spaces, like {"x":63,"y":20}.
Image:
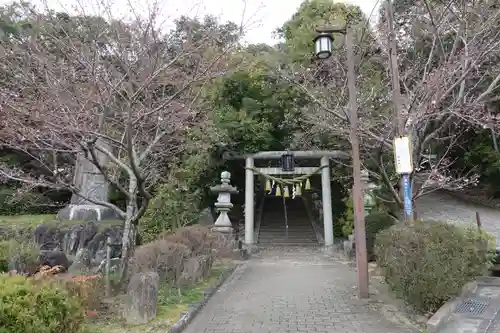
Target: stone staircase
{"x":273,"y":230}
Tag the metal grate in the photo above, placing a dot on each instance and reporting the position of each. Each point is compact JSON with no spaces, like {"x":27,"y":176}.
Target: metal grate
{"x":471,"y":306}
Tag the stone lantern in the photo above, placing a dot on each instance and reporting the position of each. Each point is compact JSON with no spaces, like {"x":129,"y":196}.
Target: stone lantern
{"x":223,"y":204}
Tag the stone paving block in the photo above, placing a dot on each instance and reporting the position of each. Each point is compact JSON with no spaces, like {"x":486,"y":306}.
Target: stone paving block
{"x":283,"y":291}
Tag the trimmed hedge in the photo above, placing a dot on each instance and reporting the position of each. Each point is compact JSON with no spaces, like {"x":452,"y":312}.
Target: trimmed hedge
{"x":428,"y":263}
{"x":375,"y":223}
{"x":40,"y":306}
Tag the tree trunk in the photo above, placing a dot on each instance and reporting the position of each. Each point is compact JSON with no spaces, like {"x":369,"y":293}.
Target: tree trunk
{"x":129,"y":230}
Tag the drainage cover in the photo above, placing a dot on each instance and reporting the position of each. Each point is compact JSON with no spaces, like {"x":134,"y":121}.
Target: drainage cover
{"x":471,"y":306}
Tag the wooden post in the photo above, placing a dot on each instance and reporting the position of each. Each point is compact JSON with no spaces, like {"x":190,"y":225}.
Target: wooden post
{"x":399,"y":121}
{"x":478,"y":221}
{"x":357,"y":191}
{"x":107,"y":267}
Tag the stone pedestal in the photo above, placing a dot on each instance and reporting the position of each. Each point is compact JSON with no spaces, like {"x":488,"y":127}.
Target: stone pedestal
{"x":87,"y":212}
{"x":93,"y":186}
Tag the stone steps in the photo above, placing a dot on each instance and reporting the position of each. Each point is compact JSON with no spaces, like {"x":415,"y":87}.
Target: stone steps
{"x":273,"y":231}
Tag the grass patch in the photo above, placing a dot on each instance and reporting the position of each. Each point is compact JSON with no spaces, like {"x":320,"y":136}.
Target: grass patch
{"x":23,"y":225}
{"x":32,"y":221}
{"x":25,"y":220}
{"x":171,"y":304}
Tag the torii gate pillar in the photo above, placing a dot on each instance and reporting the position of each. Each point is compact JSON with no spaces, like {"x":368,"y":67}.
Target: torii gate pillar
{"x":249,"y":202}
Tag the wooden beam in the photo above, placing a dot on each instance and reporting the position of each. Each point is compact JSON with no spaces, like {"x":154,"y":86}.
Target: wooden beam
{"x":275,"y":155}
{"x":278,"y":171}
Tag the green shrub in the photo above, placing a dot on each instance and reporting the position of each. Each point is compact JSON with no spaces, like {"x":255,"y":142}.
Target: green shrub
{"x":347,"y":221}
{"x":178,"y":201}
{"x":21,"y":256}
{"x":375,"y":223}
{"x":14,"y":203}
{"x":42,"y":306}
{"x":4,"y":256}
{"x":429,"y":262}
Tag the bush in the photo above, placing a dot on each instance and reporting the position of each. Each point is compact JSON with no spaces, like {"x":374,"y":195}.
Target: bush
{"x":429,"y":262}
{"x":375,"y":223}
{"x":198,"y":239}
{"x":41,"y":306}
{"x":162,"y":256}
{"x":168,"y":254}
{"x":21,"y":256}
{"x":178,"y":202}
{"x":13,"y":202}
{"x":347,"y":221}
{"x":88,"y":289}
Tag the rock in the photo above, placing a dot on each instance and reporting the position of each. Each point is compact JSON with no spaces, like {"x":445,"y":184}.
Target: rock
{"x":82,"y":262}
{"x":97,"y":246}
{"x":47,"y":237}
{"x":141,"y":301}
{"x":206,"y":218}
{"x":114,"y":265}
{"x":88,"y":233}
{"x":99,"y":257}
{"x":53,"y":258}
{"x":195,"y":269}
{"x":349,"y":248}
{"x":72,"y":239}
{"x":79,"y":236}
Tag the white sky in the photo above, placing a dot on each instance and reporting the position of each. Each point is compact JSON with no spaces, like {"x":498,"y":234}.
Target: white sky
{"x":260,"y":17}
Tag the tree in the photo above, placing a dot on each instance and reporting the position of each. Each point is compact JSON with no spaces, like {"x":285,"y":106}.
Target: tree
{"x":86,"y":85}
{"x":448,"y":64}
{"x":255,"y":111}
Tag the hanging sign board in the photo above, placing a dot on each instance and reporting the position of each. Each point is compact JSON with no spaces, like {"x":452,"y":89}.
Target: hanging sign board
{"x":402,"y":155}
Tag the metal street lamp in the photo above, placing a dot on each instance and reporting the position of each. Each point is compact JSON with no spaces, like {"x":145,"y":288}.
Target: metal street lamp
{"x":323,"y":43}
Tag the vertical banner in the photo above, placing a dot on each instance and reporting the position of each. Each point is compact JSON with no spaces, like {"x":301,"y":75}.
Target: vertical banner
{"x":407,"y":193}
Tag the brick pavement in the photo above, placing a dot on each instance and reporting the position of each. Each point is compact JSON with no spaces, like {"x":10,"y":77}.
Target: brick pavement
{"x":292,"y":290}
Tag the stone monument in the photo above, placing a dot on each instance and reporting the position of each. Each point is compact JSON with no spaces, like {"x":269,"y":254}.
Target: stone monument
{"x":92,"y":185}
{"x":142,"y":298}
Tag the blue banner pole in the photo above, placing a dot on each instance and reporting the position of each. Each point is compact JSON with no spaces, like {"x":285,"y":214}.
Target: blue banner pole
{"x":407,"y":196}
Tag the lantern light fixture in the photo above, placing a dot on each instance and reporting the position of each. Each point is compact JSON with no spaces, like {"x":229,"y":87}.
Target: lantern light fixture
{"x":323,"y":43}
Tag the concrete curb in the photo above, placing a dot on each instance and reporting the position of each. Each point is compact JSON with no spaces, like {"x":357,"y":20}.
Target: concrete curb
{"x":435,"y":323}
{"x":188,"y":316}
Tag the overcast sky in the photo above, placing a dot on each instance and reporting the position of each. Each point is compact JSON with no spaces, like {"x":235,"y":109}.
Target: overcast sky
{"x":260,"y":17}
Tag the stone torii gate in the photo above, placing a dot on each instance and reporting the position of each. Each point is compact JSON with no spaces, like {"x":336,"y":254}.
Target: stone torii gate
{"x":323,"y":156}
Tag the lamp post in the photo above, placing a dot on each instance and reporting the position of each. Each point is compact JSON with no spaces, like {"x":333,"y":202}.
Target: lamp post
{"x":323,"y":43}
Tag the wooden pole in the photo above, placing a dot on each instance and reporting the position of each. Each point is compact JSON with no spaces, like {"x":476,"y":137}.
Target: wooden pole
{"x":357,"y":191}
{"x":399,"y":123}
{"x":478,"y":221}
{"x":107,"y":268}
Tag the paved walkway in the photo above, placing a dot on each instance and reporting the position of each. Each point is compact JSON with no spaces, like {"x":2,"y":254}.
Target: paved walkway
{"x":442,"y":206}
{"x":290,"y":291}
